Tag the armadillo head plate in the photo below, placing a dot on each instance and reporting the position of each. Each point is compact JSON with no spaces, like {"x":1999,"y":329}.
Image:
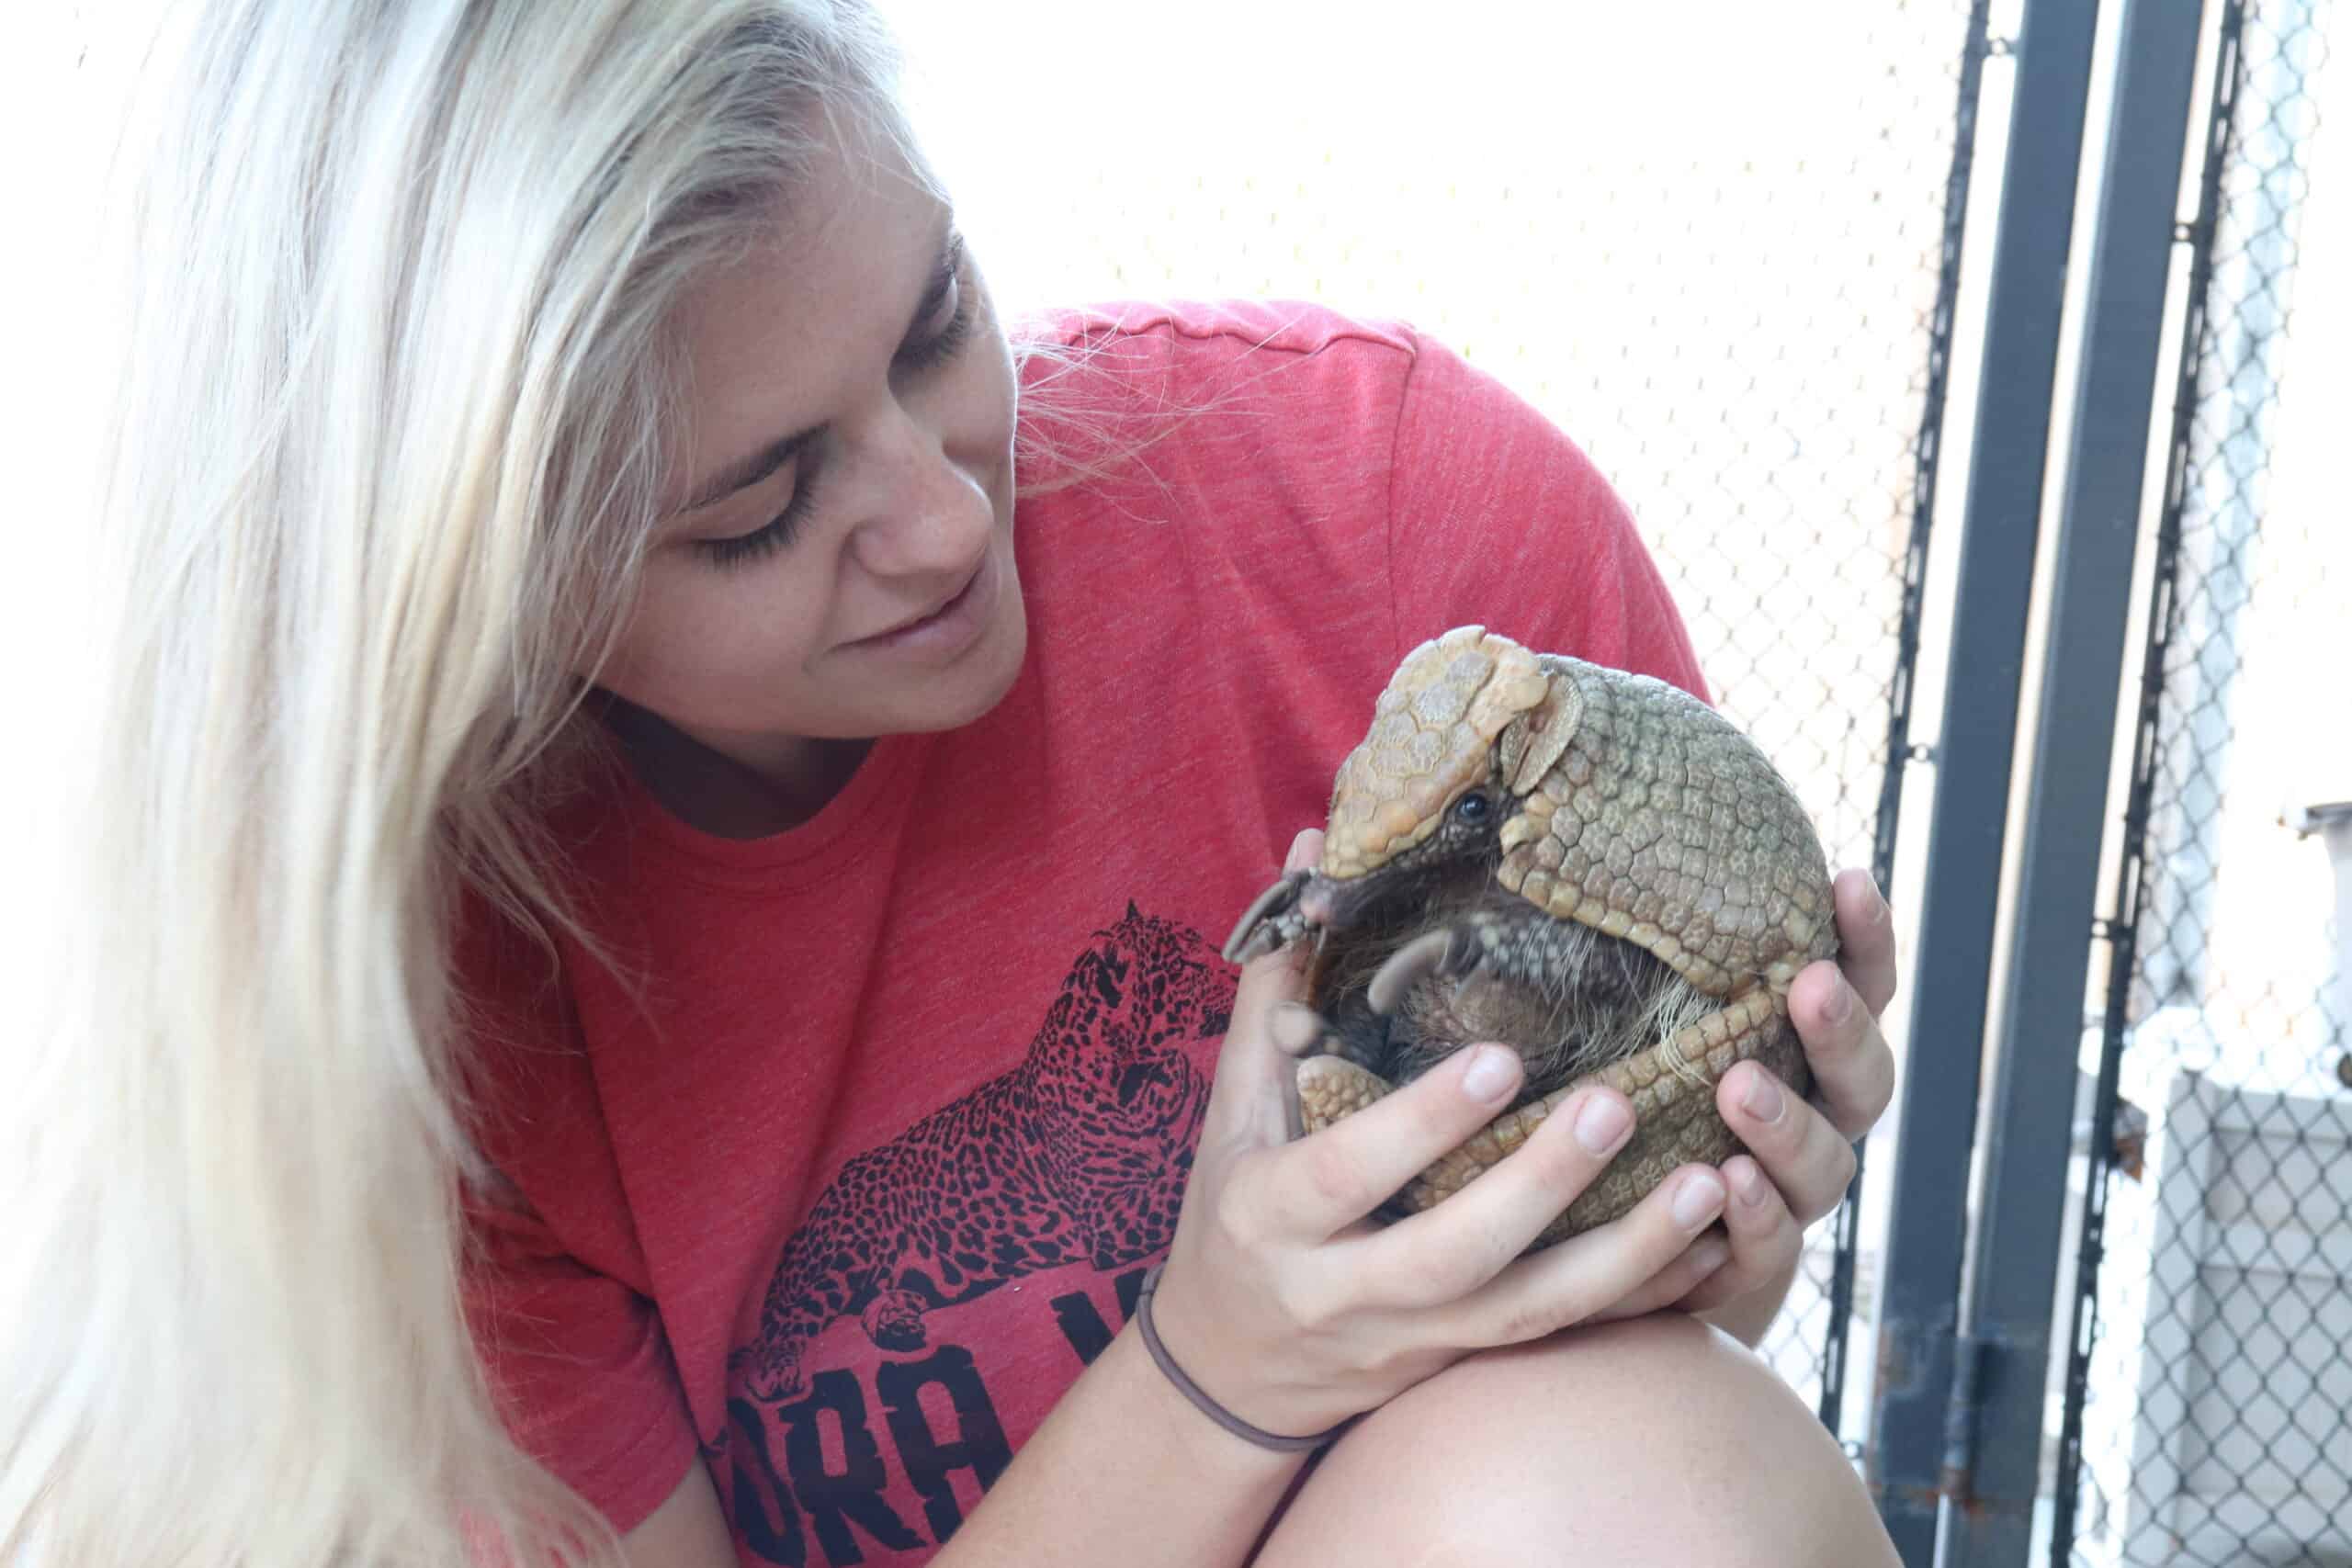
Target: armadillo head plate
{"x":1434,"y":734}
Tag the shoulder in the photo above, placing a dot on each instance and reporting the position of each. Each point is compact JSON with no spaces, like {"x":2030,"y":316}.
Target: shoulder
{"x":1312,"y":457}
{"x":1276,"y":396}
{"x":1285,"y":374}
{"x":1209,"y":456}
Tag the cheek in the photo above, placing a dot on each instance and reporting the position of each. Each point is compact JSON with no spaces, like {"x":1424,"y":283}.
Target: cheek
{"x":703,"y":646}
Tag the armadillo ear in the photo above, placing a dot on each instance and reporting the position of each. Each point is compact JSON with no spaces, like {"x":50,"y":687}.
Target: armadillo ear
{"x":1535,"y":740}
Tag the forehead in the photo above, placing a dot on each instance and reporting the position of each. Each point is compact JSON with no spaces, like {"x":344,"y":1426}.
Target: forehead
{"x":818,"y":295}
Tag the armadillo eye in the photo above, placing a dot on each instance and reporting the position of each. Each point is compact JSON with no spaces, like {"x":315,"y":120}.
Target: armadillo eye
{"x":1471,"y":807}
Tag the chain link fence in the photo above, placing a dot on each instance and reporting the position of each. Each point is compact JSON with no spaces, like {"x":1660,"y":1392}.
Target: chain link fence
{"x":2204,"y":1420}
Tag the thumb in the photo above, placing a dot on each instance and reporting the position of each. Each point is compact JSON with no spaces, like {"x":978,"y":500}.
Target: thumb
{"x":1254,"y":1099}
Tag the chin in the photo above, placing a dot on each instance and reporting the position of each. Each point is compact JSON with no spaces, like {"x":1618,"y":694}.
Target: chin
{"x":1004,"y":655}
{"x":981,"y":681}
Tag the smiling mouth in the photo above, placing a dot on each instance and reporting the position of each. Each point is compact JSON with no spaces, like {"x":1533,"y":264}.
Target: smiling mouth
{"x":943,"y":607}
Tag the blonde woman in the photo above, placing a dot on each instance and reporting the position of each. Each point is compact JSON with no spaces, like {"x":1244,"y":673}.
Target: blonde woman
{"x":642,"y":975}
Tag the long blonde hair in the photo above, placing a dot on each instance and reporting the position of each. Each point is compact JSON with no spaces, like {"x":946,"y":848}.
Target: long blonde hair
{"x":384,"y":453}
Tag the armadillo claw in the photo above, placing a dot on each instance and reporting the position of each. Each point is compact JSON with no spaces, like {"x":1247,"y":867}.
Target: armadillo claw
{"x":1271,"y":921}
{"x":1448,"y":951}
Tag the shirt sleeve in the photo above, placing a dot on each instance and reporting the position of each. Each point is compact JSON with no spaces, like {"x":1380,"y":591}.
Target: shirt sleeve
{"x":1496,"y":518}
{"x":579,"y":1369}
{"x":556,"y":1295}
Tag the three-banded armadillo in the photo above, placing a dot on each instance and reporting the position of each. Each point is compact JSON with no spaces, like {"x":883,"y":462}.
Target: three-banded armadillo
{"x":1589,"y":866}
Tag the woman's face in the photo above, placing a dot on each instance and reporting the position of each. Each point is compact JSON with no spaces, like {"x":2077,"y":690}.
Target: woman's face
{"x":835,"y":560}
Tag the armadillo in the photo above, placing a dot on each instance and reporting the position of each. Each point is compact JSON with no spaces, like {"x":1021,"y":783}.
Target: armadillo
{"x":1591,"y":866}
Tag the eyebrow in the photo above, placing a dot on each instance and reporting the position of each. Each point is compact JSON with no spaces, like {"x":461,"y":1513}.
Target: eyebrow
{"x":745,"y":472}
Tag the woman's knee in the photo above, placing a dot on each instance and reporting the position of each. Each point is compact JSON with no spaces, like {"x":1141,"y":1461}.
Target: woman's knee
{"x":1653,"y":1441}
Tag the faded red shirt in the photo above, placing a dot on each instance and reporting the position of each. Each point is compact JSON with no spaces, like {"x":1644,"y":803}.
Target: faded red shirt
{"x":864,"y":1160}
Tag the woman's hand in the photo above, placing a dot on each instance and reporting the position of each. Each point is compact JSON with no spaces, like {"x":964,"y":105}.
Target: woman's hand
{"x":1293,"y":1313}
{"x":1803,"y":1153}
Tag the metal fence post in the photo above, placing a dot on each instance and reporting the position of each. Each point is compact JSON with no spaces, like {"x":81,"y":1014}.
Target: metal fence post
{"x":2007,"y":1313}
{"x":1919,"y":1394}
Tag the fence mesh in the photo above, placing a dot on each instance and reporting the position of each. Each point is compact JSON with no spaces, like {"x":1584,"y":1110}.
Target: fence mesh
{"x":2205,"y":1420}
{"x":1786,"y":482}
{"x":1719,"y":271}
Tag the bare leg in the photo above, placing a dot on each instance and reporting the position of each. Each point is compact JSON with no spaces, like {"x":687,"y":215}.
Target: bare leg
{"x":1654,"y":1442}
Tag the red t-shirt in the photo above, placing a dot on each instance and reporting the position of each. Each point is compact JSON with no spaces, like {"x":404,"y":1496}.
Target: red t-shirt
{"x":861,"y":1158}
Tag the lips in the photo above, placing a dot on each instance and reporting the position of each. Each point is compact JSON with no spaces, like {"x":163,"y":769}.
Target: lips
{"x":936,"y":610}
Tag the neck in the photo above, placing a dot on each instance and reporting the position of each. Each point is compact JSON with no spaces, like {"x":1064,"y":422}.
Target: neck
{"x":745,"y":791}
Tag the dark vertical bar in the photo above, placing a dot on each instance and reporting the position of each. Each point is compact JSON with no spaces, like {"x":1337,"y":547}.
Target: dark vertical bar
{"x":2014,"y":1284}
{"x":1967,"y":821}
{"x":2134,"y":874}
{"x":1926,"y":453}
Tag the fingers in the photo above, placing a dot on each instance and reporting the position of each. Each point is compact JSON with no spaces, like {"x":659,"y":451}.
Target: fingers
{"x":1803,"y":1155}
{"x":1835,"y":1006}
{"x":1761,"y":1239}
{"x":1255,"y":1096}
{"x":1589,"y":1275}
{"x":1676,"y":1284}
{"x":1865,"y":938}
{"x":1853,"y":1070}
{"x":1343,"y":1173}
{"x":1453,"y":1248}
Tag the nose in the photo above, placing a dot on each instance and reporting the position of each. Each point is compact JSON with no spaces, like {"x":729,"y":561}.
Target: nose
{"x":921,"y":511}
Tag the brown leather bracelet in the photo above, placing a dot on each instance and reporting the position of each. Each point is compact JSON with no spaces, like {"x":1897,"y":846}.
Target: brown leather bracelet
{"x":1194,"y":1392}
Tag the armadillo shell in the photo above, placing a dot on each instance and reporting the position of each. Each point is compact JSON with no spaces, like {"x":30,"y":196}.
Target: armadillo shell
{"x":1644,"y":821}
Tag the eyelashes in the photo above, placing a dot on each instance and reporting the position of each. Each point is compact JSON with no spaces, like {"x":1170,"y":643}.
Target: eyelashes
{"x":779,"y":531}
{"x":941,"y":346}
{"x":913,"y":358}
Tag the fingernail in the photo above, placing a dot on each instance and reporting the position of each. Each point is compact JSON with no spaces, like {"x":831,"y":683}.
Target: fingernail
{"x":1751,"y":1185}
{"x":1299,"y":858}
{"x":1294,"y":1028}
{"x":1697,"y":1201}
{"x":1761,"y":1098}
{"x":1491,"y":1073}
{"x":1602,"y":1124}
{"x":1708,"y":1256}
{"x":1841,"y":1004}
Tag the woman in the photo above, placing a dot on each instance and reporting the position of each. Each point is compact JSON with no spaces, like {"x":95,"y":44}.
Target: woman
{"x":647,"y":913}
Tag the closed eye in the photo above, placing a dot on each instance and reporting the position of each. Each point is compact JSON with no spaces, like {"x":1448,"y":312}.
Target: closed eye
{"x":771,"y":536}
{"x":943,"y":323}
